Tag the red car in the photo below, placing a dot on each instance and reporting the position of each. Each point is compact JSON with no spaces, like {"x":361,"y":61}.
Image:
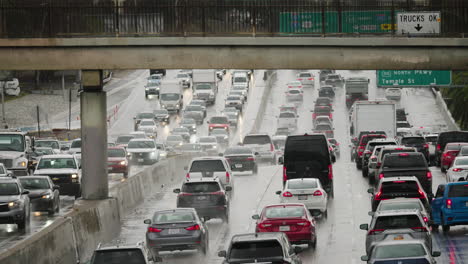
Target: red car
{"x":117,"y":160}
{"x":218,"y":122}
{"x":450,"y":152}
{"x":292,"y":219}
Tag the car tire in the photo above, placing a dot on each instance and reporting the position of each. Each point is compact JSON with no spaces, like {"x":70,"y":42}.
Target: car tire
{"x":313,"y":244}
{"x":255,"y":169}
{"x":205,"y":247}
{"x":226,"y":217}
{"x":371,"y":179}
{"x":442,"y":169}
{"x":325,"y":214}
{"x":331,"y":194}
{"x":51,"y":211}
{"x":435,"y":228}
{"x":78,"y":195}
{"x":57,"y":210}
{"x":358,"y":166}
{"x":125,"y":174}
{"x":445,"y":228}
{"x":364,"y":173}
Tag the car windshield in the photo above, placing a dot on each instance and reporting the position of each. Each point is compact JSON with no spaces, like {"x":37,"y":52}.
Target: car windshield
{"x":256,"y":250}
{"x":279,"y":143}
{"x":238,"y":151}
{"x":322,"y":110}
{"x":191,"y":147}
{"x":284,"y":211}
{"x":287,"y":115}
{"x":145,"y":116}
{"x":201,"y":187}
{"x":404,"y":160}
{"x":76,"y":143}
{"x":260,"y":140}
{"x":174,"y":138}
{"x":294,"y":91}
{"x":203,"y":86}
{"x":219,"y":120}
{"x":397,"y":221}
{"x":11,"y":142}
{"x":240,"y":79}
{"x":413,"y":140}
{"x":458,"y":190}
{"x":173,"y":217}
{"x":161,"y":112}
{"x":401,"y":205}
{"x":34,"y":183}
{"x":431,"y":139}
{"x":124,"y":139}
{"x":193,"y":108}
{"x":170,"y":96}
{"x":461,"y":162}
{"x":302,"y":184}
{"x":119,"y":256}
{"x":180,"y":130}
{"x":188,"y":121}
{"x":207,"y":140}
{"x":233,"y":98}
{"x":207,"y":165}
{"x":9,"y":188}
{"x":147,"y":123}
{"x":57,"y":163}
{"x":219,"y":132}
{"x":115,"y":153}
{"x":399,"y":251}
{"x":182,"y":75}
{"x":141,"y":144}
{"x":43,"y":151}
{"x":47,"y":144}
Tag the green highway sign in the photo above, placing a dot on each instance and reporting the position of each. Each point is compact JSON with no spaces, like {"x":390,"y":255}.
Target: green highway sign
{"x":367,"y":21}
{"x":308,"y":22}
{"x":413,"y":78}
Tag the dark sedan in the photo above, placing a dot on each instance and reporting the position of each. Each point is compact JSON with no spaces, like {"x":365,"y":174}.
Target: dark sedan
{"x":43,"y":194}
{"x":176,"y":229}
{"x":241,"y":159}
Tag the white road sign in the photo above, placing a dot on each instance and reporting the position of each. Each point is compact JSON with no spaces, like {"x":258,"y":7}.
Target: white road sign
{"x":418,"y":23}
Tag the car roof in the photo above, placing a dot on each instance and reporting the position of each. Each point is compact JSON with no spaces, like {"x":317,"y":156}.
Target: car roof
{"x":141,"y":139}
{"x":399,"y":178}
{"x":208,"y":158}
{"x":397,"y":212}
{"x":258,"y":236}
{"x":108,"y":247}
{"x":303,"y":179}
{"x":8,"y":180}
{"x":457,"y":143}
{"x":175,"y":210}
{"x":397,"y":147}
{"x":204,"y":179}
{"x":461,"y":158}
{"x":58,"y":156}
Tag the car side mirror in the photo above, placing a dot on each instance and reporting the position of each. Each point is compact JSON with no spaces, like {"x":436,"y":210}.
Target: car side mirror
{"x":25,"y":192}
{"x":55,"y":187}
{"x":147,"y":221}
{"x":256,"y":153}
{"x":370,"y":213}
{"x":370,"y":190}
{"x":278,"y":192}
{"x":222,"y":254}
{"x":365,"y":258}
{"x":255,"y":217}
{"x":315,"y":213}
{"x":364,"y":226}
{"x":176,"y":190}
{"x":436,"y":254}
{"x":228,"y":188}
{"x":281,"y":160}
{"x":297,"y":250}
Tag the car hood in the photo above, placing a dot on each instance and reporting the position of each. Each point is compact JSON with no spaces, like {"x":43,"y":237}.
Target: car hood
{"x":54,"y":171}
{"x":38,"y":193}
{"x":140,"y":150}
{"x":116,"y":159}
{"x":9,"y":198}
{"x":162,"y":116}
{"x":10,"y":154}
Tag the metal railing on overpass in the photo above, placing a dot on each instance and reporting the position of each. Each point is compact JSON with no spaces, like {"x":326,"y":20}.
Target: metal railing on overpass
{"x":140,"y":18}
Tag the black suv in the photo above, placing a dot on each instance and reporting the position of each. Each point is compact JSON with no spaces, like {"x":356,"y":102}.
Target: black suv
{"x":14,"y":203}
{"x":417,"y":142}
{"x":261,"y":247}
{"x":207,"y":196}
{"x":407,"y":163}
{"x":448,"y":137}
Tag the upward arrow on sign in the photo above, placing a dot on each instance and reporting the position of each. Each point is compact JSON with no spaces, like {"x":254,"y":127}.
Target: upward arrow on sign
{"x":418,"y":27}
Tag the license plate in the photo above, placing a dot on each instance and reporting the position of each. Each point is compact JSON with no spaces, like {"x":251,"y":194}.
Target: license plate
{"x":238,"y":166}
{"x":201,"y":198}
{"x":399,"y":237}
{"x":141,"y":160}
{"x":284,"y":228}
{"x":173,"y":231}
{"x":302,"y":197}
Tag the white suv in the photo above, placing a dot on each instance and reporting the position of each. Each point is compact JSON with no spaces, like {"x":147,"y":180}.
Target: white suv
{"x":210,"y":167}
{"x":261,"y":144}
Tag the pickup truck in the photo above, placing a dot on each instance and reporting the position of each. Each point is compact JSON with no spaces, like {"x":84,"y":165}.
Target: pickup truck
{"x":407,"y":164}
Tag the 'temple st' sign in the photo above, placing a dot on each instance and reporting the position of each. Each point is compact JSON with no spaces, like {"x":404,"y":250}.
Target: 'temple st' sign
{"x":409,"y":78}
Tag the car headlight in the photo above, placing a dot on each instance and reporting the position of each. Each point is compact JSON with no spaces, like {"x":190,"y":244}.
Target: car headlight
{"x":163,"y":154}
{"x":14,"y":204}
{"x":22,"y":164}
{"x":146,"y":88}
{"x":163,"y":106}
{"x":123,"y":162}
{"x":225,"y":128}
{"x":215,"y":147}
{"x":177,"y":105}
{"x":180,"y":143}
{"x":47,"y":196}
{"x":225,"y":137}
{"x":211,"y":128}
{"x":74,"y":176}
{"x":194,"y":126}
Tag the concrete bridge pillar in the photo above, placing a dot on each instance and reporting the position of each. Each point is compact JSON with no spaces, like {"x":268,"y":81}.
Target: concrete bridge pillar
{"x":94,"y":181}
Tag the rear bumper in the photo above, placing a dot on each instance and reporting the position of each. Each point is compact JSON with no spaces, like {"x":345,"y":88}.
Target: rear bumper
{"x":458,"y":218}
{"x":299,"y":237}
{"x":173,"y":243}
{"x":115,"y":168}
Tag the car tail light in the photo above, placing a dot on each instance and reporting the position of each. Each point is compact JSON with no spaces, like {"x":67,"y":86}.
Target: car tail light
{"x":330,"y":115}
{"x":187,"y":176}
{"x":153,"y":230}
{"x":438,"y":146}
{"x":250,"y":158}
{"x":457,"y":169}
{"x":290,"y":87}
{"x":381,"y":175}
{"x":375,"y":231}
{"x":287,"y":194}
{"x":429,"y":175}
{"x":217,"y":193}
{"x":228,"y":177}
{"x":314,"y":115}
{"x":310,"y":79}
{"x":304,"y":224}
{"x":403,"y":155}
{"x":425,"y":219}
{"x":272,"y":148}
{"x":379,"y":164}
{"x":420,"y":228}
{"x":398,"y":148}
{"x":337,"y":144}
{"x":373,"y":158}
{"x":318,"y":193}
{"x":399,"y":181}
{"x":448,"y":203}
{"x":193,"y":228}
{"x":262,"y":225}
{"x":185,"y":194}
{"x":330,"y":172}
{"x":423,"y":195}
{"x":285,"y":175}
{"x":426,"y":145}
{"x":377,"y":196}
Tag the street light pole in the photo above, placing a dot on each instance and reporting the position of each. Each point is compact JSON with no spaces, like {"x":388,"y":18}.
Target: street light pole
{"x":3,"y":104}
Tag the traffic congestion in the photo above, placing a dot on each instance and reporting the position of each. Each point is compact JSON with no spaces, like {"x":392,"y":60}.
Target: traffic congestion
{"x":339,"y":171}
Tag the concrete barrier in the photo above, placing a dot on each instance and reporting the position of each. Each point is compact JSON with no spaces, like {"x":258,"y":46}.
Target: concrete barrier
{"x":440,"y":102}
{"x":271,"y":77}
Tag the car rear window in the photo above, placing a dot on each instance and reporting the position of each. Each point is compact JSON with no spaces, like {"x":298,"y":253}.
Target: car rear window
{"x":287,"y":115}
{"x":366,"y":139}
{"x":200,"y":187}
{"x":145,"y":116}
{"x":400,"y":187}
{"x":219,"y":120}
{"x":403,"y":161}
{"x":398,"y":150}
{"x":431,"y":139}
{"x":207,"y":165}
{"x":284,"y":211}
{"x":306,"y":148}
{"x":453,"y":147}
{"x":464,"y":151}
{"x":113,"y":153}
{"x":323,"y":127}
{"x":238,"y":151}
{"x":173,"y":216}
{"x":302,"y":184}
{"x":413,"y":140}
{"x":322,"y":110}
{"x":459,"y":162}
{"x":123,"y":139}
{"x":397,"y":221}
{"x":256,"y":250}
{"x":294,"y":91}
{"x":372,"y":145}
{"x":458,"y":190}
{"x":401,"y":206}
{"x":117,"y":256}
{"x":260,"y":140}
{"x":305,"y":75}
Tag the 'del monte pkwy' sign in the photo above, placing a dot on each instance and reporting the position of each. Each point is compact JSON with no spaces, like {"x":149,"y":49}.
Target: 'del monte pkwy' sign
{"x":413,"y":78}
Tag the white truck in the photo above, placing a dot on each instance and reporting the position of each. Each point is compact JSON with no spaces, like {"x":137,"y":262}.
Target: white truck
{"x":205,"y":85}
{"x":374,"y":116}
{"x":357,"y":88}
{"x":15,"y":147}
{"x":170,"y":96}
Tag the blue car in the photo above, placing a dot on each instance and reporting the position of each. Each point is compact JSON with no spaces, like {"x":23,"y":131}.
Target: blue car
{"x":450,"y":205}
